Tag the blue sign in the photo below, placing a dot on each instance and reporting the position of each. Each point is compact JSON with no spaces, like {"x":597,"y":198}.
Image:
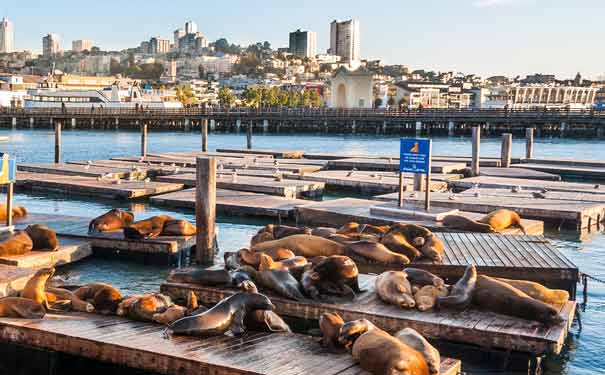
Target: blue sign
{"x":415,"y":155}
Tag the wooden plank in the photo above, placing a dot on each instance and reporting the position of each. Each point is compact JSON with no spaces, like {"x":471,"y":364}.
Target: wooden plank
{"x":282,"y":154}
{"x":588,"y":172}
{"x":390,"y":165}
{"x":519,"y":173}
{"x":527,"y":184}
{"x":70,"y":250}
{"x":83,"y":170}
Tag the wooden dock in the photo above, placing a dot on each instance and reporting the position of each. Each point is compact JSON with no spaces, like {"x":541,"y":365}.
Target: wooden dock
{"x":527,"y":184}
{"x":86,"y":170}
{"x":279,"y":154}
{"x":484,"y":161}
{"x":572,"y":171}
{"x":70,"y":250}
{"x":390,"y":165}
{"x":142,"y":346}
{"x":518,"y":173}
{"x":90,"y":186}
{"x":287,"y":188}
{"x":484,"y":329}
{"x":236,"y":203}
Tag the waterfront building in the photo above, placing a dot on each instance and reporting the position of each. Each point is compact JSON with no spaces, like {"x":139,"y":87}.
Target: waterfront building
{"x":351,"y":88}
{"x":6,"y":36}
{"x":344,"y":40}
{"x":158,"y":46}
{"x":51,"y":45}
{"x":13,"y":91}
{"x":303,"y":43}
{"x":414,"y":94}
{"x":81,"y":45}
{"x":540,"y":96}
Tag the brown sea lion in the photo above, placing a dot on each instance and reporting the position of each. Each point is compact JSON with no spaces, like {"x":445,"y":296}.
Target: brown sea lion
{"x":380,"y":353}
{"x":18,"y":212}
{"x":278,"y":281}
{"x":339,"y":271}
{"x":43,"y":238}
{"x":394,"y":288}
{"x":555,"y":297}
{"x":426,"y":296}
{"x":253,"y":258}
{"x":464,"y":223}
{"x":330,"y":325}
{"x":502,"y":219}
{"x":114,"y":219}
{"x":410,"y":231}
{"x":281,"y":231}
{"x":351,"y":227}
{"x":267,"y":263}
{"x":178,"y":228}
{"x":353,"y":237}
{"x":148,"y":228}
{"x":497,"y":296}
{"x":265,"y":321}
{"x":76,"y":303}
{"x":302,"y":244}
{"x":18,"y":243}
{"x":377,"y":252}
{"x":263,"y":235}
{"x":171,"y":314}
{"x":143,"y":308}
{"x":35,"y":288}
{"x":377,"y":230}
{"x":200,"y":276}
{"x":104,"y":297}
{"x":416,"y":341}
{"x":433,"y":248}
{"x":228,"y":314}
{"x":419,"y":277}
{"x":399,"y":243}
{"x":324,"y":232}
{"x":461,"y":294}
{"x":19,"y":307}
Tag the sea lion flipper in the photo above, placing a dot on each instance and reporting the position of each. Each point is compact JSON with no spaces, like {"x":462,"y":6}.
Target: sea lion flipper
{"x":237,"y":323}
{"x":59,"y":306}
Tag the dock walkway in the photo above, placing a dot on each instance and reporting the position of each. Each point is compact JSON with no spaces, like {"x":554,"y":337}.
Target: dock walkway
{"x":527,"y":184}
{"x":390,"y":165}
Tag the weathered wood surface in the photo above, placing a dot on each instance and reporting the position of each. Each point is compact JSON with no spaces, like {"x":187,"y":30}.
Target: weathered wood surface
{"x":13,"y":279}
{"x":485,"y":161}
{"x":484,"y":329}
{"x":195,"y":154}
{"x":70,"y":250}
{"x":92,"y":187}
{"x":238,"y":203}
{"x":390,"y":165}
{"x":551,"y":195}
{"x":286,"y":187}
{"x":569,"y":162}
{"x":527,"y":184}
{"x":82,"y":170}
{"x":587,"y":172}
{"x":142,"y":346}
{"x":282,"y":154}
{"x":147,"y":168}
{"x":518,"y":173}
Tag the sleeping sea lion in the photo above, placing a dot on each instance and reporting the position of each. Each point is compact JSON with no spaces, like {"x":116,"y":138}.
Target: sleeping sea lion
{"x":555,"y":297}
{"x":502,"y":219}
{"x":353,"y":237}
{"x":394,"y":288}
{"x":43,"y":238}
{"x":416,"y":341}
{"x":340,"y":271}
{"x":19,"y":307}
{"x":148,"y":228}
{"x":497,"y":296}
{"x":351,"y":227}
{"x":253,"y":258}
{"x":76,"y":303}
{"x":377,"y":252}
{"x":461,"y":294}
{"x":281,"y":231}
{"x":267,"y":263}
{"x":324,"y":232}
{"x":143,"y":308}
{"x":35,"y":288}
{"x":400,"y":244}
{"x":330,"y":325}
{"x":104,"y":297}
{"x":410,"y":231}
{"x":18,"y":243}
{"x":176,"y":312}
{"x":265,"y":321}
{"x":200,"y":276}
{"x":278,"y":281}
{"x":302,"y":244}
{"x":263,"y":235}
{"x":433,"y":248}
{"x":178,"y":228}
{"x":228,"y":314}
{"x":419,"y":277}
{"x":464,"y":223}
{"x":426,"y":296}
{"x":113,"y":219}
{"x":17,"y":212}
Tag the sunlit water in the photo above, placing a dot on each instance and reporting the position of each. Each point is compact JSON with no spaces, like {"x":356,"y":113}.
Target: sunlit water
{"x":583,"y":353}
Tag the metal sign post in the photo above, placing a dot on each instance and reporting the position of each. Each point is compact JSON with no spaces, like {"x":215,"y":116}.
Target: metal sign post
{"x":415,"y":157}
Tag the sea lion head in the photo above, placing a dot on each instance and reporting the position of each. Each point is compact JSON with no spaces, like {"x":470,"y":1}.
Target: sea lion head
{"x":352,"y":330}
{"x":125,"y":305}
{"x":548,"y":315}
{"x":257,"y":301}
{"x":45,"y":272}
{"x":418,"y":242}
{"x":266,"y":263}
{"x":249,"y":257}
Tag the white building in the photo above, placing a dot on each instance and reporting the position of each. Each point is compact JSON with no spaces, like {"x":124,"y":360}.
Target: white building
{"x":351,"y":89}
{"x":51,"y":45}
{"x":303,"y":43}
{"x":344,"y":40}
{"x":81,"y":45}
{"x":178,"y":34}
{"x":539,"y":96}
{"x":6,"y":36}
{"x":190,"y":27}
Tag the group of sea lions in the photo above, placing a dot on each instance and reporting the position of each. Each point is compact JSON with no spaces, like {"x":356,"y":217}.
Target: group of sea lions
{"x":35,"y":237}
{"x":160,"y":225}
{"x":494,"y":222}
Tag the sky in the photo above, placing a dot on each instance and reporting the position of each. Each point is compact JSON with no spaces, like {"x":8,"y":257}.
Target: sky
{"x":485,"y":37}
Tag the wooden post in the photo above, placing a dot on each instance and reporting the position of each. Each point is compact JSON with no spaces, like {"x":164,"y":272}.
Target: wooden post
{"x":400,"y":189}
{"x":58,"y":125}
{"x":9,"y":205}
{"x":205,"y":135}
{"x":506,"y":151}
{"x":249,"y":136}
{"x":205,"y":210}
{"x":427,"y":196}
{"x":144,"y":139}
{"x":476,"y":150}
{"x":529,"y":143}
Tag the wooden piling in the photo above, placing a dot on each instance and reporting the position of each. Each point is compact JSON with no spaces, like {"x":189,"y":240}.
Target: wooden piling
{"x":58,"y":126}
{"x":529,"y":143}
{"x":205,"y":135}
{"x":476,"y":150}
{"x":249,"y":136}
{"x":144,"y":139}
{"x":205,"y":210}
{"x":9,"y":205}
{"x":418,"y":181}
{"x":506,"y":151}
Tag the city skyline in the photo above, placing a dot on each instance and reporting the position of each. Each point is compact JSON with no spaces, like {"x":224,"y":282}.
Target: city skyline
{"x":487,"y":37}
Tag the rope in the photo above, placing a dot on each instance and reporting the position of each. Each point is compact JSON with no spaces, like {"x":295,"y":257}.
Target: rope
{"x":584,"y":280}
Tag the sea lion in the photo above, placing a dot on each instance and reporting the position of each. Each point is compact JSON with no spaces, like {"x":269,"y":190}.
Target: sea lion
{"x":421,"y":278}
{"x":377,"y":252}
{"x":278,"y":281}
{"x":353,"y":237}
{"x":240,"y":276}
{"x":324,"y":232}
{"x":461,"y":294}
{"x":426,"y":296}
{"x":200,"y":276}
{"x":114,"y":219}
{"x":502,"y":219}
{"x":380,"y":353}
{"x":228,"y":314}
{"x":253,"y":258}
{"x":330,"y":325}
{"x":18,"y":212}
{"x":497,"y":296}
{"x":18,"y":243}
{"x":399,"y":243}
{"x":267,"y":263}
{"x":555,"y":297}
{"x":35,"y":288}
{"x":351,"y":227}
{"x":178,"y":228}
{"x":339,"y":271}
{"x":416,"y":341}
{"x":104,"y":297}
{"x":19,"y":307}
{"x":231,"y":260}
{"x":433,"y":248}
{"x":281,"y":231}
{"x":393,"y":287}
{"x":265,"y":321}
{"x":148,"y":228}
{"x":43,"y":238}
{"x":263,"y":235}
{"x":464,"y":223}
{"x":143,"y":308}
{"x":76,"y":303}
{"x":302,"y":244}
{"x":376,"y":230}
{"x":410,"y":231}
{"x":176,"y":312}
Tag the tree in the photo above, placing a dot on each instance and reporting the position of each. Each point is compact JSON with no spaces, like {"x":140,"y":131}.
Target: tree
{"x":226,"y":97}
{"x":377,"y":102}
{"x":186,"y":96}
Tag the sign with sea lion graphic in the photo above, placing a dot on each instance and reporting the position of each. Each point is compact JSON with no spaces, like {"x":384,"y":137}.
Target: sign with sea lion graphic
{"x":415,"y":155}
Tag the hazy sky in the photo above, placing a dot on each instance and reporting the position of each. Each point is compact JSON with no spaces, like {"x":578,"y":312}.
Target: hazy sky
{"x":473,"y":36}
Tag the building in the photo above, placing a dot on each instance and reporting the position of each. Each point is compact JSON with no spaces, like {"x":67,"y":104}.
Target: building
{"x":303,"y":43}
{"x":178,"y":34}
{"x":190,"y":27}
{"x":413,"y":94}
{"x":81,"y":45}
{"x":351,"y":89}
{"x":540,"y":96}
{"x":51,"y":45}
{"x":158,"y":46}
{"x":7,"y":37}
{"x":344,"y":40}
{"x":543,"y":79}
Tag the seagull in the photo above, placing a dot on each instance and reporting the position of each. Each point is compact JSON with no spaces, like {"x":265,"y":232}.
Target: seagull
{"x":89,"y":162}
{"x":544,"y":190}
{"x":275,"y":162}
{"x":516,"y":189}
{"x":597,"y":186}
{"x":351,"y":172}
{"x":142,"y":159}
{"x":538,"y":195}
{"x":279,"y":178}
{"x":234,"y":177}
{"x":87,"y":167}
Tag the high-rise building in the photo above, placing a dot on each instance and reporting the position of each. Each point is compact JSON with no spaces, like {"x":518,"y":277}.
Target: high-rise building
{"x":190,"y":27}
{"x":158,"y":45}
{"x":178,"y":34}
{"x":6,"y":36}
{"x":344,"y":40}
{"x":303,"y":43}
{"x":81,"y":45}
{"x":51,"y":45}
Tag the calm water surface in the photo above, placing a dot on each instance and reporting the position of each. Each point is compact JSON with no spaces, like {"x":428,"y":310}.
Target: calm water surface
{"x":584,"y":352}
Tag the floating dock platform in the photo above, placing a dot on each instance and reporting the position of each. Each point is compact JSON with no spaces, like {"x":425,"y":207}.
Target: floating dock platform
{"x":390,"y":165}
{"x":86,"y":170}
{"x":70,"y":250}
{"x":518,"y":173}
{"x":527,"y":184}
{"x":278,"y":154}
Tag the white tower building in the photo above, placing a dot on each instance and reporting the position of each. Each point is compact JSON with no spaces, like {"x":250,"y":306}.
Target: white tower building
{"x":6,"y":36}
{"x":344,"y":40}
